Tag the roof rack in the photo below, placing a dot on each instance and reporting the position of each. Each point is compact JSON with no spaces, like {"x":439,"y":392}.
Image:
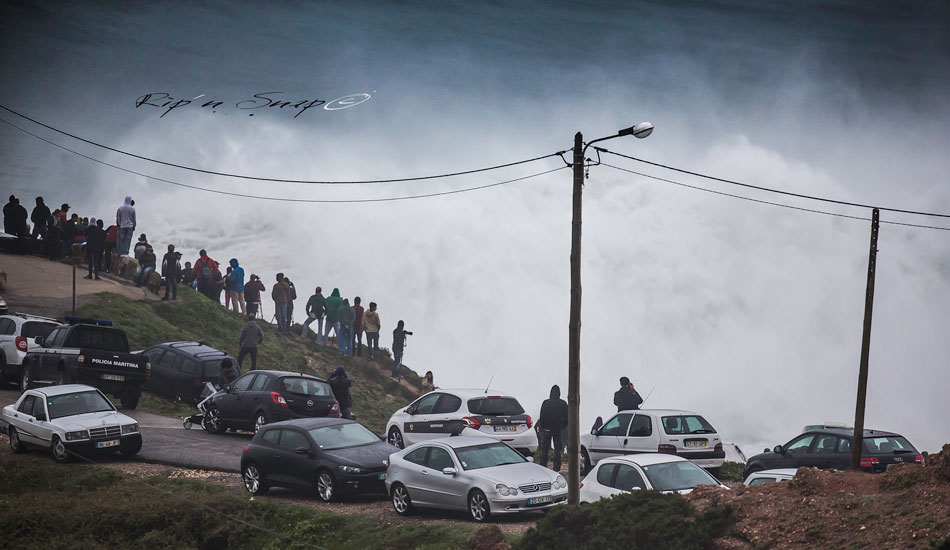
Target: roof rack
{"x":31,"y":316}
{"x":86,"y":321}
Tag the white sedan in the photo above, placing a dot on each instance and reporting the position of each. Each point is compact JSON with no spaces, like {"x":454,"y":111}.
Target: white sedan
{"x":660,"y":472}
{"x":769,"y":476}
{"x":67,"y":420}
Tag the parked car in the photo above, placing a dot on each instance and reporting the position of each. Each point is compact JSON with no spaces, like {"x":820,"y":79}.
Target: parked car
{"x":264,"y":396}
{"x":470,"y":412}
{"x":831,"y":448}
{"x":181,"y":369}
{"x":333,"y":456}
{"x":659,"y":472}
{"x":67,"y":419}
{"x":476,"y":474}
{"x":18,"y":332}
{"x":674,"y":432}
{"x":770,"y":476}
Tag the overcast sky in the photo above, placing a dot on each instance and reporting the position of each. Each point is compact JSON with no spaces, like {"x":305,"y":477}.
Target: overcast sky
{"x":747,"y":313}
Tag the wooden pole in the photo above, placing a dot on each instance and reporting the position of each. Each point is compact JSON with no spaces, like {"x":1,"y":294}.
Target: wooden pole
{"x":858,"y":441}
{"x":574,"y":333}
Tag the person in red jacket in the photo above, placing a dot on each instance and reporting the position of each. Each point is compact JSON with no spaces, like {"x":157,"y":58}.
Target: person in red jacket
{"x":204,"y":271}
{"x":112,"y":235}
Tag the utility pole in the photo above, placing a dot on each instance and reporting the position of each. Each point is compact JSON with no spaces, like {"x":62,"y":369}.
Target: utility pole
{"x":74,"y":289}
{"x":574,"y":329}
{"x":858,"y":440}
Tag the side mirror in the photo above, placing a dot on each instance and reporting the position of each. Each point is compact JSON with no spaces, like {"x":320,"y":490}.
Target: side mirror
{"x":595,"y":431}
{"x":529,"y":458}
{"x":778,"y":450}
{"x":449,"y":471}
{"x":39,"y":340}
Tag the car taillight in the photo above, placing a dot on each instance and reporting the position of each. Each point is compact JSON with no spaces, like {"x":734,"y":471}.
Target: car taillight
{"x":669,"y":449}
{"x":197,"y":381}
{"x":81,"y":359}
{"x":21,"y":343}
{"x":336,"y":407}
{"x":471,"y":423}
{"x":277,"y":398}
{"x":245,"y":449}
{"x":529,"y":421}
{"x":582,"y":485}
{"x":919,"y":459}
{"x":867,"y":462}
{"x":148,"y":369}
{"x":718,"y":447}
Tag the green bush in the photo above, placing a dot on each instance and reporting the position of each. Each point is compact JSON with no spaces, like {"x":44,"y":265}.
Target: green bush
{"x":637,"y":520}
{"x":731,"y":471}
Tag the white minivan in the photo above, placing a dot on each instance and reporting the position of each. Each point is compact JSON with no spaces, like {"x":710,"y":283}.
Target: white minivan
{"x":680,"y":433}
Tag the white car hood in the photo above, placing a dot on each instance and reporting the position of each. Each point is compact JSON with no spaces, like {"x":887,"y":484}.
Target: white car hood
{"x":514,"y":475}
{"x":91,"y":420}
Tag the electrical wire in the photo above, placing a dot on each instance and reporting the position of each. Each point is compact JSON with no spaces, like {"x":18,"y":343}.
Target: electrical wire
{"x":284,"y":199}
{"x":826,"y":213}
{"x":273,"y":180}
{"x":770,"y":190}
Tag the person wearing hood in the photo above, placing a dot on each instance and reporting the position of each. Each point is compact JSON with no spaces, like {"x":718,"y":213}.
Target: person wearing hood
{"x":315,"y":309}
{"x":236,"y":280}
{"x":171,"y":271}
{"x":280,"y":293}
{"x":40,"y":218}
{"x":251,"y":337}
{"x":551,"y":424}
{"x":340,"y":384}
{"x":333,"y":316}
{"x":347,"y":318}
{"x":146,"y":267}
{"x":125,"y":220}
{"x":95,"y":244}
{"x":627,"y":398}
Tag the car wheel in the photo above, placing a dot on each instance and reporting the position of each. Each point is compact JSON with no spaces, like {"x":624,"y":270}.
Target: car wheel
{"x":585,"y":461}
{"x":395,"y":438}
{"x":131,"y":450}
{"x":326,"y":487}
{"x":259,"y":422}
{"x":26,"y":382}
{"x":211,"y":422}
{"x":478,"y":506}
{"x":130,"y":400}
{"x":402,"y":504}
{"x":253,"y":479}
{"x":58,"y":450}
{"x":16,"y":445}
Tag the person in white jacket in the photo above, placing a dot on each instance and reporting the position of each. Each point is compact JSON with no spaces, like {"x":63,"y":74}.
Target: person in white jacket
{"x":125,"y":221}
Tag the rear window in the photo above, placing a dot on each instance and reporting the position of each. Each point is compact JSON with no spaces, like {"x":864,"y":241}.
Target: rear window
{"x":212,"y":369}
{"x":32,"y":329}
{"x":686,"y":424}
{"x":98,"y":338}
{"x":305,"y":386}
{"x":891,"y":444}
{"x":495,"y":406}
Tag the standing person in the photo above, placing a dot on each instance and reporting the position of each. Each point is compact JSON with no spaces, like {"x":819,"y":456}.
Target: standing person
{"x":9,"y":216}
{"x":204,"y":270}
{"x":333,"y":316}
{"x":112,"y":235}
{"x":171,"y":271}
{"x":252,"y":295}
{"x":125,"y":221}
{"x":428,"y":381}
{"x":315,"y":309}
{"x":187,"y":276}
{"x":146,"y":267}
{"x":347,"y":316}
{"x":291,"y":296}
{"x":251,"y":337}
{"x":627,"y":398}
{"x":371,"y":326}
{"x":551,"y":424}
{"x":399,"y":344}
{"x":55,"y":231}
{"x":140,"y":246}
{"x":236,"y":280}
{"x":40,"y":218}
{"x":280,"y":293}
{"x":20,"y":227}
{"x":217,"y":286}
{"x":357,"y":346}
{"x":340,"y":384}
{"x":227,"y":287}
{"x":95,"y":242}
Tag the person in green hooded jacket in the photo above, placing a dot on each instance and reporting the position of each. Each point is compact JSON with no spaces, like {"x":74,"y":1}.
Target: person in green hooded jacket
{"x":333,"y":316}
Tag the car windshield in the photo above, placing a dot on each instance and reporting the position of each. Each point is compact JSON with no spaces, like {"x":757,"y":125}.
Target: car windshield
{"x":686,"y":424}
{"x":890,"y":444}
{"x":676,"y":476}
{"x":495,"y":406}
{"x":305,"y":386}
{"x":342,"y":436}
{"x":32,"y":329}
{"x":77,"y":403}
{"x":487,"y":455}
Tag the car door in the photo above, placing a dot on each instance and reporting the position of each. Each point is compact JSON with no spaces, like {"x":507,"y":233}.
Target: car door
{"x":7,"y":338}
{"x":604,"y":475}
{"x":256,"y":396}
{"x":45,"y":366}
{"x":23,"y":420}
{"x":267,"y":452}
{"x":609,"y":439}
{"x":298,"y":468}
{"x":796,"y":453}
{"x":412,"y":477}
{"x":230,"y":403}
{"x":627,"y":479}
{"x":418,"y":427}
{"x":842,"y":456}
{"x":642,"y":438}
{"x":42,"y":429}
{"x":824,"y":451}
{"x":157,"y":378}
{"x":445,"y":490}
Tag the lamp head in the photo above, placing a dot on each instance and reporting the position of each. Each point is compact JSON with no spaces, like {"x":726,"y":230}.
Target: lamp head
{"x":641,"y":130}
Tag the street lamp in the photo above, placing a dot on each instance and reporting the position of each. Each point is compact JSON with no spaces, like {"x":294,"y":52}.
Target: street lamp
{"x":641,"y":130}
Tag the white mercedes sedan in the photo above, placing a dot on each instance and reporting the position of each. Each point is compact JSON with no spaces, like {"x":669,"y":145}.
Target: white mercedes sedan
{"x":68,"y":420}
{"x":472,"y":473}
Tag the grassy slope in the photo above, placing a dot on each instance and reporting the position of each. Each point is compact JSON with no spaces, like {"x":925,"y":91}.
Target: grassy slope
{"x":194,"y":317}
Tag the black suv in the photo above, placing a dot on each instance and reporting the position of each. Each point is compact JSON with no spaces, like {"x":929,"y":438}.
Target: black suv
{"x":830,"y":448}
{"x":180,"y":369}
{"x":264,"y":396}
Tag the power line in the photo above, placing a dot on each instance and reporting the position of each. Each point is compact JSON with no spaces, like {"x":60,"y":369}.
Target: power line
{"x":826,"y":213}
{"x":274,"y":180}
{"x":283,"y":199}
{"x":780,"y":192}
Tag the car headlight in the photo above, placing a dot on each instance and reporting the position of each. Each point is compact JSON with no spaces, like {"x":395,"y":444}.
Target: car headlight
{"x":351,"y":470}
{"x":559,"y":483}
{"x":75,"y":436}
{"x":130,"y":429}
{"x":505,"y":490}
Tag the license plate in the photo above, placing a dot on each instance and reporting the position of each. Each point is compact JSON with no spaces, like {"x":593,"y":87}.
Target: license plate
{"x":693,"y":444}
{"x":539,"y":500}
{"x":382,"y":476}
{"x":505,"y":428}
{"x":104,"y":444}
{"x":116,"y":377}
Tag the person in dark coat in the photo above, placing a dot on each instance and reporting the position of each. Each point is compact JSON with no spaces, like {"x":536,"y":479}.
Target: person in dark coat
{"x":146,"y":267}
{"x":95,"y":244}
{"x":40,"y":218}
{"x":251,"y":337}
{"x":229,"y":372}
{"x":627,"y":398}
{"x":10,"y":216}
{"x":551,"y":424}
{"x":171,"y":271}
{"x":252,"y":294}
{"x":399,"y":345}
{"x":340,"y":384}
